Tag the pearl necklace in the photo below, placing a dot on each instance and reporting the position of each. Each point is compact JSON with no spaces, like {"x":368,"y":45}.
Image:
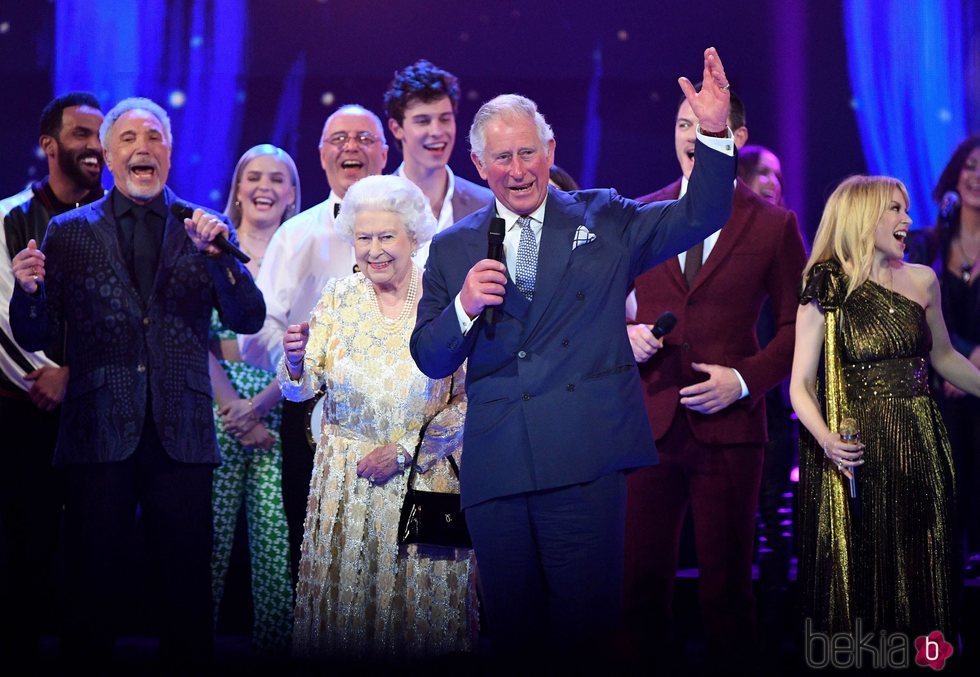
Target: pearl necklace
{"x":407,"y":307}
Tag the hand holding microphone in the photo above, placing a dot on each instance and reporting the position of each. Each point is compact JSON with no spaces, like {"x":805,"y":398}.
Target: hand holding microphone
{"x":646,"y":339}
{"x":849,"y":433}
{"x":206,"y":231}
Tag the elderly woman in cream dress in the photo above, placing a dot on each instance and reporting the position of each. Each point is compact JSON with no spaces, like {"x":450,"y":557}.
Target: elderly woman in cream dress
{"x":359,"y":594}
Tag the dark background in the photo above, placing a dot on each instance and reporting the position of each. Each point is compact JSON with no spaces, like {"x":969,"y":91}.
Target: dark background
{"x":786,"y":59}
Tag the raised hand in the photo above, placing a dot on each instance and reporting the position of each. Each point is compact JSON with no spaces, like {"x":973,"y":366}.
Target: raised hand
{"x":712,"y":104}
{"x":294,"y":347}
{"x":202,"y":228}
{"x":28,"y":266}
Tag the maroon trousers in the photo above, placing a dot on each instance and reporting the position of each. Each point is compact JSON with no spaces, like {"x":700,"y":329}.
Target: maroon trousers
{"x":721,"y":487}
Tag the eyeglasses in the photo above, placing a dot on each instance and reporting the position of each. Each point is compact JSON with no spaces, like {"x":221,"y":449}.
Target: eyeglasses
{"x":363,"y":139}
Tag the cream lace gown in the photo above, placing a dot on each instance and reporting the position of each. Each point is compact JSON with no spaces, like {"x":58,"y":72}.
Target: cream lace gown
{"x":357,"y":594}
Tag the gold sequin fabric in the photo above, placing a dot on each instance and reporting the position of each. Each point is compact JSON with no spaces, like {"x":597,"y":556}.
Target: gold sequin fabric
{"x":889,"y":562}
{"x":359,"y":594}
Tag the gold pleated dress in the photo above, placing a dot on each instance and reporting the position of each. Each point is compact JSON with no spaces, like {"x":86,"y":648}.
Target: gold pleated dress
{"x":888,"y":559}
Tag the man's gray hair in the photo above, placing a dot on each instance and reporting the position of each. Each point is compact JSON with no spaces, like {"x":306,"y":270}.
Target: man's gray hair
{"x":388,"y":193}
{"x":504,"y":106}
{"x":135,"y":103}
{"x":354,"y":109}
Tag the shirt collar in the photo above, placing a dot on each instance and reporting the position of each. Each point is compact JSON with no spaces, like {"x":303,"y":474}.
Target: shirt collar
{"x":510,"y":218}
{"x":122,"y":205}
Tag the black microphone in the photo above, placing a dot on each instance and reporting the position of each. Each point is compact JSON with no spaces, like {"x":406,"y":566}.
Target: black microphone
{"x":664,"y":325}
{"x":184,"y":211}
{"x":495,"y":251}
{"x":849,"y":433}
{"x":949,"y":204}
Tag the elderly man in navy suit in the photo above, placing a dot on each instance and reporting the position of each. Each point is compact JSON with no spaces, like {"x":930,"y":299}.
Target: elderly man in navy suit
{"x":555,"y":410}
{"x":132,"y":288}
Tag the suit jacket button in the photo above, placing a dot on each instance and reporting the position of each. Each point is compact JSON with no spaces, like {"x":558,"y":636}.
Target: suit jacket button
{"x":526,"y":396}
{"x":687,"y":346}
{"x":564,"y":343}
{"x":522,"y":354}
{"x":146,"y":322}
{"x":570,"y":387}
{"x":580,"y":295}
{"x":141,"y":368}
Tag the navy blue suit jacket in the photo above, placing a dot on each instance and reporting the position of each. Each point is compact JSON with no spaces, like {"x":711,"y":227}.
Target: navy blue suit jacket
{"x":554,"y":396}
{"x":119,"y":351}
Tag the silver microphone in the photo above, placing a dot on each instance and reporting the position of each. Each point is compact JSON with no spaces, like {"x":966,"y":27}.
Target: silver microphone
{"x":849,"y":433}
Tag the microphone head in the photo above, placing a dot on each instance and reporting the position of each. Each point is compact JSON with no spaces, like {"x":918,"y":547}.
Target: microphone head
{"x":949,"y":203}
{"x":497,"y":227}
{"x":848,"y":428}
{"x":664,"y":324}
{"x":181,"y":211}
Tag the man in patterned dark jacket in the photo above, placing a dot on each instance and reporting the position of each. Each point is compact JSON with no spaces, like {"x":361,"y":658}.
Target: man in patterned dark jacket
{"x":131,"y":287}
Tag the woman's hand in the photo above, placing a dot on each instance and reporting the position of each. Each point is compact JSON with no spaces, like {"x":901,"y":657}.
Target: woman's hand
{"x":294,"y":347}
{"x":258,"y":437}
{"x":844,"y":455}
{"x":380,"y":465}
{"x":238,"y":416}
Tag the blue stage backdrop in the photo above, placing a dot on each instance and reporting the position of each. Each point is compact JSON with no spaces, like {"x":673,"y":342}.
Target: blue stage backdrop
{"x":907,"y":65}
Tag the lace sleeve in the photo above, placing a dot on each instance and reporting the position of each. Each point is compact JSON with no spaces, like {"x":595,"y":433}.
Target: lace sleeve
{"x":826,"y":284}
{"x":444,"y":435}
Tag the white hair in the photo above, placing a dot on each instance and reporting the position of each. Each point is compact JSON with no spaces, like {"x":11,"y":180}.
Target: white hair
{"x":388,"y":193}
{"x":135,"y":103}
{"x":506,"y":105}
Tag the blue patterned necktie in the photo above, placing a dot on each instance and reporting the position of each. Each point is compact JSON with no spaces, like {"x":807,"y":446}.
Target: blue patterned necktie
{"x":527,"y":258}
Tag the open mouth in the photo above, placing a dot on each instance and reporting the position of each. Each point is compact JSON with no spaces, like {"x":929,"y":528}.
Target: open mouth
{"x":436,"y":147}
{"x":379,"y":265}
{"x":900,"y":235}
{"x":351,"y":164}
{"x":91,"y":162}
{"x":690,"y":154}
{"x":263,"y":202}
{"x":143,"y":171}
{"x":521,"y":189}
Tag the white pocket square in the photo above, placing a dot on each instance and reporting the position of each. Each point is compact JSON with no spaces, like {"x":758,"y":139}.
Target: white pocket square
{"x":582,"y":236}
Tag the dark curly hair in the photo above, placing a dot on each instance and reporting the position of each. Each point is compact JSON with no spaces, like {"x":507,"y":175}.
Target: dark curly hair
{"x":422,"y":81}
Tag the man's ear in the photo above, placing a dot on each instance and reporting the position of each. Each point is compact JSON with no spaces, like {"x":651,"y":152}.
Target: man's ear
{"x":741,"y":136}
{"x":49,"y":145}
{"x":479,"y":165}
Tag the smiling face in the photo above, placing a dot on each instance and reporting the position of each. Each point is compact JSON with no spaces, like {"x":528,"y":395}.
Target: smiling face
{"x":767,"y":179}
{"x":383,"y":248}
{"x":893,"y":227}
{"x":138,"y":155}
{"x":265,"y":190}
{"x":515,"y":164}
{"x":76,"y":149}
{"x":427,"y":134}
{"x":968,"y":184}
{"x":684,"y":137}
{"x":363,"y":153}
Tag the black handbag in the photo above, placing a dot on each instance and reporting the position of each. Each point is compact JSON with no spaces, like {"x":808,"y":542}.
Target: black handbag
{"x":431,"y":518}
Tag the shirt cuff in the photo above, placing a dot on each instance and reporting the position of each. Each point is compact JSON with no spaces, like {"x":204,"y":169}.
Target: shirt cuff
{"x":722,"y":145}
{"x":741,"y":382}
{"x":464,"y":321}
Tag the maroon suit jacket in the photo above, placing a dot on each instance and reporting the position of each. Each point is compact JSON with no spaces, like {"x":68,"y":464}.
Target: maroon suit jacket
{"x":759,"y":254}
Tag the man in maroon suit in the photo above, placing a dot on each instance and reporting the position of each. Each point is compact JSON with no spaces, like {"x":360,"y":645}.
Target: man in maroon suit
{"x":704,"y":386}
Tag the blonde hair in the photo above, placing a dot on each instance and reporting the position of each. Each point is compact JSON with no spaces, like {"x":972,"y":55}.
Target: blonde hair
{"x":846,"y":230}
{"x":233,"y":210}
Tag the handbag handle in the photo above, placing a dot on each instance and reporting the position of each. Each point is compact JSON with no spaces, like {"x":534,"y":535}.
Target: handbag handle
{"x":418,"y":445}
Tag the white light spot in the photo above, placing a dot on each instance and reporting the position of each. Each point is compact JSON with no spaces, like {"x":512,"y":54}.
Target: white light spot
{"x":945,"y":115}
{"x":240,"y":96}
{"x":177,"y":99}
{"x":855,"y":104}
{"x":38,"y":152}
{"x":195,"y":158}
{"x":327,"y":98}
{"x":472,"y":95}
{"x":214,"y":195}
{"x":4,"y":26}
{"x":622,"y":35}
{"x":196,"y":41}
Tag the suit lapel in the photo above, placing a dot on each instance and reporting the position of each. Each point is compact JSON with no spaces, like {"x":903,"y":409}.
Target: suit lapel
{"x":562,"y":216}
{"x":730,"y":234}
{"x":106,"y":230}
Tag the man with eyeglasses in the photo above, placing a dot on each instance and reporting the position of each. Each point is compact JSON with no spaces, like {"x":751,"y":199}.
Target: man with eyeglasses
{"x":303,"y":254}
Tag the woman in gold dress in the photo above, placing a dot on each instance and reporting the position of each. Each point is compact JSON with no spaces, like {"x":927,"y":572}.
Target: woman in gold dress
{"x":359,"y":595}
{"x":873,"y":323}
